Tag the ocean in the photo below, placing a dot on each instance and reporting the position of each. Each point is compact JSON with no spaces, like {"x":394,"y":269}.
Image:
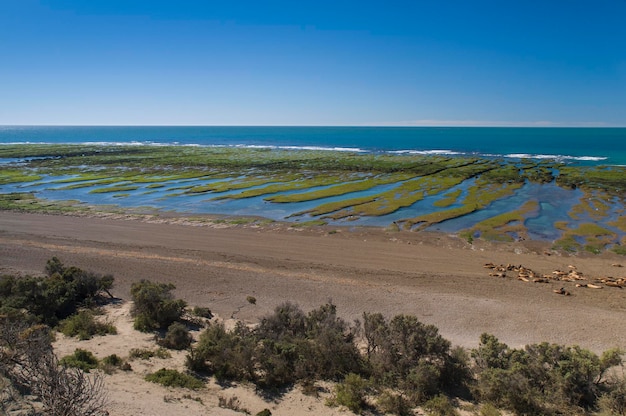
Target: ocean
{"x":584,"y":146}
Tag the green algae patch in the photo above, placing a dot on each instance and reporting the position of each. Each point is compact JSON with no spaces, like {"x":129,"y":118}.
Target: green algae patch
{"x":342,"y":189}
{"x":506,"y":173}
{"x":17,"y":176}
{"x":538,"y":173}
{"x":611,"y":179}
{"x":587,"y":236}
{"x":289,"y":184}
{"x":505,"y":226}
{"x":113,"y":189}
{"x":478,"y":197}
{"x":620,"y":223}
{"x":595,"y":204}
{"x":27,"y":202}
{"x":448,"y":199}
{"x":242,"y":183}
{"x":312,"y":223}
{"x":404,"y":195}
{"x":620,"y":248}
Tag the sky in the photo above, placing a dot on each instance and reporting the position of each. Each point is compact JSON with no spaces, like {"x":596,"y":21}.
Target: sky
{"x":301,"y":62}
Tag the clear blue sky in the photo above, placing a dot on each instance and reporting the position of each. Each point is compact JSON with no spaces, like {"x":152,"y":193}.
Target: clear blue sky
{"x":301,"y":62}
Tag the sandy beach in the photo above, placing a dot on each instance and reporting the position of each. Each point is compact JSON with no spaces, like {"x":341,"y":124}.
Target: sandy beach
{"x":441,"y":279}
{"x":438,"y":278}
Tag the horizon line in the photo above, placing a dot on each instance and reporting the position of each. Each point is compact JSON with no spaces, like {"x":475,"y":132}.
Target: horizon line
{"x":416,"y":123}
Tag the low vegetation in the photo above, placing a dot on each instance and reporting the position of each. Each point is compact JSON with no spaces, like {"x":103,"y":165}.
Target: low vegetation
{"x":84,"y":326}
{"x":377,"y":364}
{"x":155,"y":306}
{"x":174,"y":378}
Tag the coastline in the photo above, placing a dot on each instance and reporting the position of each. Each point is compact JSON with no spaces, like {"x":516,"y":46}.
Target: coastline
{"x":436,"y":277}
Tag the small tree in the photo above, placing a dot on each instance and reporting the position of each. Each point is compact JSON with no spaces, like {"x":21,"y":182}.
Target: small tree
{"x":155,"y":306}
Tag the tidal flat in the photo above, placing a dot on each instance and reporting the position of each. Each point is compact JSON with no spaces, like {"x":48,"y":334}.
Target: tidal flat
{"x":578,"y":208}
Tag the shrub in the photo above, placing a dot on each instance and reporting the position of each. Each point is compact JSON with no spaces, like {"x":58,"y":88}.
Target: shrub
{"x":112,"y":362}
{"x":440,"y":406}
{"x":146,"y":354}
{"x":202,"y":312}
{"x":173,"y":378}
{"x":351,"y":393}
{"x":85,"y":326}
{"x":155,"y":306}
{"x":407,"y":353}
{"x":54,"y":297}
{"x":177,"y":337}
{"x":394,"y":403}
{"x":251,"y":300}
{"x":228,"y":355}
{"x":264,"y":412}
{"x":82,"y":359}
{"x":613,"y":402}
{"x":489,"y":410}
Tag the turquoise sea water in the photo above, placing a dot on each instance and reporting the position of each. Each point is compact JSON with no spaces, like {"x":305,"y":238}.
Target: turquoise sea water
{"x":573,"y":145}
{"x":577,"y":146}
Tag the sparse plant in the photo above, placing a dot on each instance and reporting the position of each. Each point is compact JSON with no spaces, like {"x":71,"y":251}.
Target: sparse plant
{"x":177,"y":337}
{"x":174,"y":378}
{"x":82,"y":359}
{"x":85,"y":326}
{"x":146,"y":354}
{"x":112,"y":362}
{"x":28,"y":361}
{"x":232,"y":403}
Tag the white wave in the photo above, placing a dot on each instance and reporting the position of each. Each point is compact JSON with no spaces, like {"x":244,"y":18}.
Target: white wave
{"x":426,"y":152}
{"x":277,"y":147}
{"x":553,"y":157}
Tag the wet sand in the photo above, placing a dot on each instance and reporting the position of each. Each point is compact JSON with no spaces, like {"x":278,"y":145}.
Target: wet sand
{"x":436,"y":277}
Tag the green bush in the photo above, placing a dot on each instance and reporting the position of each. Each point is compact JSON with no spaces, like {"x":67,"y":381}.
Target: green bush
{"x":489,"y":410}
{"x":541,"y":378}
{"x":177,"y":337}
{"x":202,"y":312}
{"x":113,"y":362}
{"x":83,"y":359}
{"x":396,"y":404}
{"x":85,"y":326}
{"x":55,"y":297}
{"x":173,"y":378}
{"x":226,"y":354}
{"x":406,"y":353}
{"x":351,"y":393}
{"x":440,"y":406}
{"x":155,"y":306}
